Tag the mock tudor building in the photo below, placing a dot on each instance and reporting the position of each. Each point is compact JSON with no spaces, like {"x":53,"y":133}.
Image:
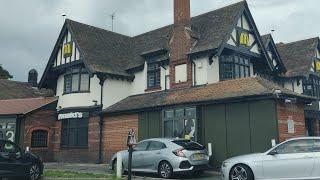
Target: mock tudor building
{"x":210,"y":78}
{"x":302,"y":59}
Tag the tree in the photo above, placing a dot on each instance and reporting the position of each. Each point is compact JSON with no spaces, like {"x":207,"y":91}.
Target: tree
{"x":4,"y":74}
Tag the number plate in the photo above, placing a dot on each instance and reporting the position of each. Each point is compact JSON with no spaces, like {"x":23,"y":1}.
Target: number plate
{"x":198,"y":157}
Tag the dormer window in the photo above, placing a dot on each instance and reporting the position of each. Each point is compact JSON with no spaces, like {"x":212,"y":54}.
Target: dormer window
{"x":153,"y":75}
{"x":76,"y":80}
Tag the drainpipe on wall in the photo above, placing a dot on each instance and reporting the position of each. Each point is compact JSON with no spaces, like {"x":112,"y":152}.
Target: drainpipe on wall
{"x":102,"y":80}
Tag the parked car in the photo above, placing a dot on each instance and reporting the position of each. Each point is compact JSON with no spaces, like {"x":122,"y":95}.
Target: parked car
{"x":297,"y":158}
{"x":15,"y":162}
{"x":165,"y":157}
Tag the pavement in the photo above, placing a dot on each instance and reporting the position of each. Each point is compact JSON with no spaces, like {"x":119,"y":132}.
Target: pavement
{"x":104,"y":169}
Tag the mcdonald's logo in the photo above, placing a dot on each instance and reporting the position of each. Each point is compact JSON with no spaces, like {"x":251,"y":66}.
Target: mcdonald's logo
{"x":317,"y":66}
{"x":67,"y":50}
{"x":244,"y":38}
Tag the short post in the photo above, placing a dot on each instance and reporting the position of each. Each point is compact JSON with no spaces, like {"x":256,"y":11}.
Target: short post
{"x":210,"y":149}
{"x":119,"y":166}
{"x":273,"y":142}
{"x":131,"y":141}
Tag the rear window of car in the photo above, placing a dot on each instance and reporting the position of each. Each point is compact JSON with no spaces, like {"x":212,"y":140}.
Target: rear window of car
{"x":189,"y":145}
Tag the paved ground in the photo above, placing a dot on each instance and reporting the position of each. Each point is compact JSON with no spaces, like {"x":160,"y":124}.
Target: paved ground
{"x":103,"y":169}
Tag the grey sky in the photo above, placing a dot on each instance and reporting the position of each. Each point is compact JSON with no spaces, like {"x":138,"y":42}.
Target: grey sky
{"x":29,"y":29}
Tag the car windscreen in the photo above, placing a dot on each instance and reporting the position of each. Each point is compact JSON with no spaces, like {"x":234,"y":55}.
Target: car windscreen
{"x":189,"y":145}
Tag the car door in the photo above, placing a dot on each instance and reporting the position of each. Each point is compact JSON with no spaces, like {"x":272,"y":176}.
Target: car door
{"x":153,"y":155}
{"x":11,"y":160}
{"x":138,"y":155}
{"x":316,"y":155}
{"x":290,"y":160}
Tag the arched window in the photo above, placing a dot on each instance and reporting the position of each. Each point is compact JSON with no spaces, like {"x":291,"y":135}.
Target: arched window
{"x":39,"y":138}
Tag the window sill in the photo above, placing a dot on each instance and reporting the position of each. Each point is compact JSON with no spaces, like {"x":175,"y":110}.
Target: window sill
{"x":156,"y":88}
{"x":76,"y":92}
{"x":69,"y":148}
{"x":39,"y":148}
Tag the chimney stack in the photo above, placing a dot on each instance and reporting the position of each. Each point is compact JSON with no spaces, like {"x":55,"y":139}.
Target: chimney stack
{"x":181,"y":12}
{"x":180,"y":44}
{"x":33,"y":77}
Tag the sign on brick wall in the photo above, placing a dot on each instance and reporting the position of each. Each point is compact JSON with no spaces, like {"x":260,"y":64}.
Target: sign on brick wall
{"x":291,"y":128}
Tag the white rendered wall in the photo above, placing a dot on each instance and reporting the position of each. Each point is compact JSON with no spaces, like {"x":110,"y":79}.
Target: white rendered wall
{"x":115,"y":90}
{"x":78,"y":99}
{"x":297,"y":88}
{"x":164,"y":72}
{"x":139,"y":85}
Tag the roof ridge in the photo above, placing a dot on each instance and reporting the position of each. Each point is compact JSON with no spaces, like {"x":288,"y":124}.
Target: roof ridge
{"x":99,"y":28}
{"x":298,"y":41}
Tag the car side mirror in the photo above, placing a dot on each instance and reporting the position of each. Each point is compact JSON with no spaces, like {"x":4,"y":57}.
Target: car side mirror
{"x":273,"y":152}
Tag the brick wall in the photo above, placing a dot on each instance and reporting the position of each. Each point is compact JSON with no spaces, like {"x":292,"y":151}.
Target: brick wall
{"x":294,"y":111}
{"x":181,"y":42}
{"x":115,"y":133}
{"x":76,"y":155}
{"x":40,"y":120}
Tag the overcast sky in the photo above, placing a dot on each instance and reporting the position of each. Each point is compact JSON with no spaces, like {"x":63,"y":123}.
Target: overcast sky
{"x":29,"y":29}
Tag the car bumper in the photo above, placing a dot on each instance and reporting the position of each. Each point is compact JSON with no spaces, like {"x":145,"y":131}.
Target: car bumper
{"x":225,"y":173}
{"x":187,"y":167}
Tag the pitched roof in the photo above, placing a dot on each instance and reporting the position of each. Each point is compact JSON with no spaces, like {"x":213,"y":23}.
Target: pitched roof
{"x":113,"y":53}
{"x":268,"y":39}
{"x":17,"y":90}
{"x":297,"y":56}
{"x":222,"y":91}
{"x":23,"y":106}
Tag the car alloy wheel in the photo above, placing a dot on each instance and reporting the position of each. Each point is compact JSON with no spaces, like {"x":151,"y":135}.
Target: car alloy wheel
{"x":34,"y":172}
{"x":165,"y":170}
{"x":241,"y":172}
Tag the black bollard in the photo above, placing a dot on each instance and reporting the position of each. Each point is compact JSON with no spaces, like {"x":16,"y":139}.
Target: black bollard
{"x":130,"y":162}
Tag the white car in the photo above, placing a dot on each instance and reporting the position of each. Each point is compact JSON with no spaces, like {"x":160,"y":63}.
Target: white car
{"x":297,"y":158}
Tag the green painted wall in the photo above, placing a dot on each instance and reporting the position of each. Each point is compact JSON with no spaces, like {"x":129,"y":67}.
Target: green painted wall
{"x":238,"y":128}
{"x":150,"y":125}
{"x":233,"y":129}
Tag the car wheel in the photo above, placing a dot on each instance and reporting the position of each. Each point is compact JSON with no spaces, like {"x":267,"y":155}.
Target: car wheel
{"x":34,"y":172}
{"x":165,"y":170}
{"x":241,"y":172}
{"x":114,"y":167}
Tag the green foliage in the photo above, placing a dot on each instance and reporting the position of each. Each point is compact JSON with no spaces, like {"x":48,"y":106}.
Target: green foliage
{"x":4,"y":74}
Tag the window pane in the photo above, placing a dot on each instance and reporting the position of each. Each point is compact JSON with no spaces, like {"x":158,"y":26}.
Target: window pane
{"x":242,"y":73}
{"x":75,"y":82}
{"x":178,"y":129}
{"x":67,"y":83}
{"x":168,"y":114}
{"x":84,"y":85}
{"x":154,"y":145}
{"x":191,"y":112}
{"x":168,"y":129}
{"x":151,"y":79}
{"x":298,"y":146}
{"x":74,"y":133}
{"x":39,"y":138}
{"x":142,"y":146}
{"x":179,"y":113}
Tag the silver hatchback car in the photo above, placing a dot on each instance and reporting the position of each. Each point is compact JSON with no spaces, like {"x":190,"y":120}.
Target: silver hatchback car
{"x":165,"y":157}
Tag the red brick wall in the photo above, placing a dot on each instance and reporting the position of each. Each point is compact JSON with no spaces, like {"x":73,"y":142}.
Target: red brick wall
{"x":115,"y":133}
{"x":40,"y":120}
{"x":292,"y":111}
{"x":181,"y":42}
{"x":83,"y":155}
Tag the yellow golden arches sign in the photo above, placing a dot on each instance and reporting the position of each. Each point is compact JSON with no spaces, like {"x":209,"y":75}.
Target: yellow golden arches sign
{"x":244,"y":38}
{"x":67,"y":50}
{"x":318,"y":66}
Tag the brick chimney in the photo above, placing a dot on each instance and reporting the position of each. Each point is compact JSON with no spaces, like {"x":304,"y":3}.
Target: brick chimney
{"x":180,"y":44}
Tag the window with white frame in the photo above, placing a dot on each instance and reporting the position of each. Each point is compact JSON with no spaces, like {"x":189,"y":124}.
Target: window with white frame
{"x":76,"y":80}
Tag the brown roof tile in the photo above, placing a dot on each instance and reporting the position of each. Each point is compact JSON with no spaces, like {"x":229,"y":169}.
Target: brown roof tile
{"x":23,"y":106}
{"x":222,"y":91}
